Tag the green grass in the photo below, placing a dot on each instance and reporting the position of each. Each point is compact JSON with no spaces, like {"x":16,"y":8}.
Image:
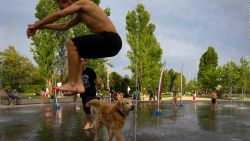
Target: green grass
{"x":27,"y":95}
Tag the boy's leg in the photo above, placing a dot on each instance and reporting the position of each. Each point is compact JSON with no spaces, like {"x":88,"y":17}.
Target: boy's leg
{"x":87,"y":109}
{"x":75,"y":83}
{"x":89,"y":122}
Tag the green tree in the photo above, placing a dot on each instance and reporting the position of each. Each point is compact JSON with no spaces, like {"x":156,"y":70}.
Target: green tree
{"x":17,"y":72}
{"x":145,"y":52}
{"x":119,"y":83}
{"x":192,"y":86}
{"x":244,"y":73}
{"x":177,"y":82}
{"x":172,"y":75}
{"x":207,"y":74}
{"x":167,"y":81}
{"x":115,"y":81}
{"x":49,"y":46}
{"x":221,"y":75}
{"x":229,"y":77}
{"x":125,"y":83}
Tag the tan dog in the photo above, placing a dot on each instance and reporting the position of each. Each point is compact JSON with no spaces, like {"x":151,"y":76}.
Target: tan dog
{"x":112,"y":116}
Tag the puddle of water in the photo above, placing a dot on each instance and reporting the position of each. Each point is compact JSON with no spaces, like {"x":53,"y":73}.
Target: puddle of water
{"x":193,"y":121}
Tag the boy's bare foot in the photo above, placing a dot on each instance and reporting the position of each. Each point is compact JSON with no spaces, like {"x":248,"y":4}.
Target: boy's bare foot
{"x":88,"y":126}
{"x":79,"y":88}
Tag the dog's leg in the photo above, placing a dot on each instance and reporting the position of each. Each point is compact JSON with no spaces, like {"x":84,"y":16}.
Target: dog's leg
{"x":97,"y":127}
{"x":110,"y":133}
{"x":119,"y":136}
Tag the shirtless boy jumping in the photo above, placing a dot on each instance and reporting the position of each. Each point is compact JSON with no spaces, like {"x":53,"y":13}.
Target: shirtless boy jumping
{"x":105,"y":42}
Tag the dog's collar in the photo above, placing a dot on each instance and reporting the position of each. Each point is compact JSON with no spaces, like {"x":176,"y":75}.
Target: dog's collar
{"x":120,"y":112}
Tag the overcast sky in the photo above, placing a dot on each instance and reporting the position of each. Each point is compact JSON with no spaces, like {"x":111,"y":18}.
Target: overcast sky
{"x":184,"y":29}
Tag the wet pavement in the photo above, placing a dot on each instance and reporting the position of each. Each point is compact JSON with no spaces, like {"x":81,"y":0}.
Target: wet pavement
{"x":195,"y":121}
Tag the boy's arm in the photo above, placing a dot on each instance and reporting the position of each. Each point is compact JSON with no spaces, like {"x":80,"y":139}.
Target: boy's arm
{"x":62,"y":26}
{"x":58,"y":15}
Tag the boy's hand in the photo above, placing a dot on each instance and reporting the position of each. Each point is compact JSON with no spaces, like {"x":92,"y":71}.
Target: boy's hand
{"x":31,"y":30}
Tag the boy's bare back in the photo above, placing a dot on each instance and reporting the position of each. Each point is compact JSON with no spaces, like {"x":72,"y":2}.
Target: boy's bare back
{"x":93,"y":16}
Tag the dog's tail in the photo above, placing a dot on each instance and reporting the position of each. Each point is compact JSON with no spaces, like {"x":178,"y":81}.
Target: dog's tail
{"x":94,"y":103}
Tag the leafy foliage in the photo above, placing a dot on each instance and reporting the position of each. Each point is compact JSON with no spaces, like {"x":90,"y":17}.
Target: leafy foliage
{"x":17,"y":72}
{"x":192,"y":86}
{"x":119,"y":83}
{"x":145,"y":52}
{"x":177,"y":82}
{"x":244,"y":75}
{"x":49,"y":46}
{"x":207,"y":75}
{"x":235,"y":78}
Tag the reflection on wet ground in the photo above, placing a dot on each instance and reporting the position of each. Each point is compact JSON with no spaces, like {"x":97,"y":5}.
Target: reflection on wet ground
{"x":195,"y":121}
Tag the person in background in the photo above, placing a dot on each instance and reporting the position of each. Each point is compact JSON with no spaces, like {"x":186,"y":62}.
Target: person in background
{"x":194,"y":96}
{"x":151,"y":94}
{"x":89,"y":80}
{"x":213,"y":99}
{"x":175,"y":99}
